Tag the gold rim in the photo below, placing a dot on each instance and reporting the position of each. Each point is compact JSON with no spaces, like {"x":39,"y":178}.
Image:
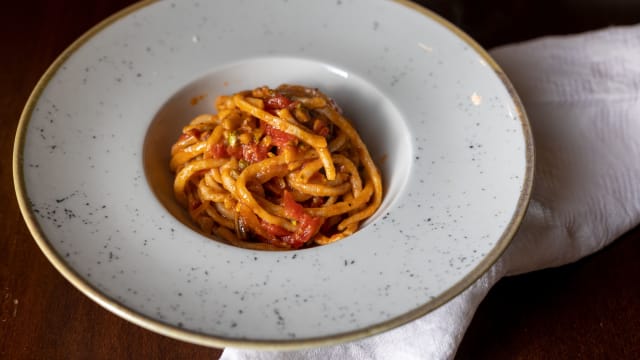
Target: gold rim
{"x":208,"y":340}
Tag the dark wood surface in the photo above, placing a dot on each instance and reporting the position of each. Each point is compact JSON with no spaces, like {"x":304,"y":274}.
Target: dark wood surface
{"x":588,"y":310}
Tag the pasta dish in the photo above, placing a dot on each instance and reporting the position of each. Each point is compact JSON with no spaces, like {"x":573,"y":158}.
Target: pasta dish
{"x":275,"y":169}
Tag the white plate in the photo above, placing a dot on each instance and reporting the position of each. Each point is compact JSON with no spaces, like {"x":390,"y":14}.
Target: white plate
{"x":439,"y":116}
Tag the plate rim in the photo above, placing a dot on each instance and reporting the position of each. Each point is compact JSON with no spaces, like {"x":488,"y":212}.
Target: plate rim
{"x":159,"y":327}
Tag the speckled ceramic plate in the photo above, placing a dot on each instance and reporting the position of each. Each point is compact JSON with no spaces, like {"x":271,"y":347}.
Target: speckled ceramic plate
{"x":437,"y":113}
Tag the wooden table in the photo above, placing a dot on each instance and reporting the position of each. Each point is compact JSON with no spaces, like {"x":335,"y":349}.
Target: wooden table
{"x":590,"y":309}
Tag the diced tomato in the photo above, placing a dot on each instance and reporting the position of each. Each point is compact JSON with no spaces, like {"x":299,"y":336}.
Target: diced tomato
{"x":235,"y":151}
{"x":217,"y":151}
{"x":306,"y":230}
{"x":278,"y":137}
{"x":274,"y":230}
{"x":254,"y":152}
{"x":292,"y":209}
{"x":249,"y":152}
{"x":276,"y":102}
{"x":308,"y":225}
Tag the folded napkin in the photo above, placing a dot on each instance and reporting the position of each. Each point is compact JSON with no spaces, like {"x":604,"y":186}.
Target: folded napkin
{"x":582,"y":95}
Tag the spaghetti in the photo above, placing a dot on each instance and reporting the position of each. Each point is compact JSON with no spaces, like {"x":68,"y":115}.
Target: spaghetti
{"x":275,"y":169}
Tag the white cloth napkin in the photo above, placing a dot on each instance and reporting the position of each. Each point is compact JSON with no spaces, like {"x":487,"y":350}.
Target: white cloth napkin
{"x":582,"y":95}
